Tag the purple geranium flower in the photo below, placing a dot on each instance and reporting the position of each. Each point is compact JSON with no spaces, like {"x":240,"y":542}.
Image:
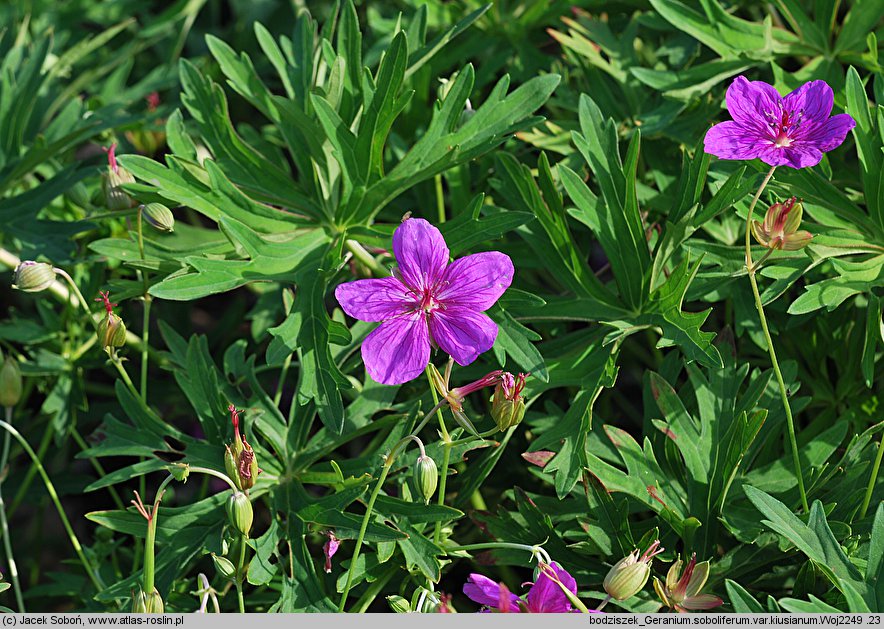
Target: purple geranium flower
{"x":428,"y":302}
{"x":544,"y":597}
{"x":794,"y":130}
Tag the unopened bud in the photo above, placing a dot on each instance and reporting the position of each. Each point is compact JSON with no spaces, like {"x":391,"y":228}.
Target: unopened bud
{"x":629,"y":575}
{"x":399,"y":604}
{"x":154,"y":603}
{"x":10,"y":382}
{"x":158,"y":216}
{"x":33,"y":277}
{"x":114,"y":195}
{"x":625,"y":579}
{"x":426,"y":477}
{"x":224,"y":567}
{"x":111,"y":331}
{"x":508,"y":405}
{"x":147,"y":603}
{"x":239,"y":512}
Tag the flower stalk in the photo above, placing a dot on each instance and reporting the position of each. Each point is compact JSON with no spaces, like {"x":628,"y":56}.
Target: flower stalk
{"x":7,"y":544}
{"x":784,"y":396}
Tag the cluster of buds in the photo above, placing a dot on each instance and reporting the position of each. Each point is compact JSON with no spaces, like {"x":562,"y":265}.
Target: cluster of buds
{"x":780,"y":227}
{"x":681,"y":591}
{"x":508,"y":405}
{"x":629,"y":575}
{"x":10,"y":383}
{"x":111,"y":329}
{"x":114,"y":195}
{"x":239,"y":458}
{"x":455,"y":397}
{"x":33,"y":277}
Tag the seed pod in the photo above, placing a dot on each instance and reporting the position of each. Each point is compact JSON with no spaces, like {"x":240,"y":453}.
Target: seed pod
{"x":158,"y":216}
{"x":508,"y":405}
{"x":33,"y":277}
{"x":225,"y":568}
{"x":239,"y":512}
{"x":426,"y":477}
{"x":10,"y":382}
{"x":111,"y":331}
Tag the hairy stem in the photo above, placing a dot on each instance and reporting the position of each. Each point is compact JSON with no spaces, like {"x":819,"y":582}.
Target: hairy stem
{"x":872,"y":479}
{"x":388,"y":464}
{"x":784,"y":396}
{"x":7,"y":543}
{"x":50,"y":488}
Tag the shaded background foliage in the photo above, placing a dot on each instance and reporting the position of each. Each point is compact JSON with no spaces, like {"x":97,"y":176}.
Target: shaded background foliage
{"x":652,"y":409}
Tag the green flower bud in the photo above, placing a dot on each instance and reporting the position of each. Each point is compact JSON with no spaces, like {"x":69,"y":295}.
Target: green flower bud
{"x":154,"y":604}
{"x":508,"y":405}
{"x":399,"y":604}
{"x":33,"y":277}
{"x":10,"y":382}
{"x":139,"y":603}
{"x":225,"y":568}
{"x":426,"y":477}
{"x":180,"y":471}
{"x":111,"y":331}
{"x":629,"y":575}
{"x":239,"y":512}
{"x":158,"y":216}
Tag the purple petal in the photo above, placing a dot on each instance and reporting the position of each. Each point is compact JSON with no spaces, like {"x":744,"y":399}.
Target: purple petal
{"x":830,"y":134}
{"x":374,"y":300}
{"x":749,"y":101}
{"x":484,"y":591}
{"x":398,"y":350}
{"x":546,"y":597}
{"x":798,"y":155}
{"x":731,"y":140}
{"x":421,"y":253}
{"x":462,"y":333}
{"x":812,"y":101}
{"x":476,"y":281}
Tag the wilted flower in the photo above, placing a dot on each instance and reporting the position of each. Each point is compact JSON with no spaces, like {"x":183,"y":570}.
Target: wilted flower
{"x":682,"y":591}
{"x":329,"y":549}
{"x":455,"y":397}
{"x":780,"y":227}
{"x":628,"y":576}
{"x":794,"y":130}
{"x":239,"y":459}
{"x":111,"y":329}
{"x":508,"y":406}
{"x":33,"y":277}
{"x":428,"y":302}
{"x":544,"y":597}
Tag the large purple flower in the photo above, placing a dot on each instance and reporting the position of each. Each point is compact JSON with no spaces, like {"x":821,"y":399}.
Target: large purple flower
{"x":794,"y":130}
{"x":428,"y":302}
{"x":544,"y":597}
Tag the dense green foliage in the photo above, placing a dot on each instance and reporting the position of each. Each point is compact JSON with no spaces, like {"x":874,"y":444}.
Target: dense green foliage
{"x":568,"y":135}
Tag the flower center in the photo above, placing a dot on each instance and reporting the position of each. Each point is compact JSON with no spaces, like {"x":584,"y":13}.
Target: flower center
{"x":427,"y":302}
{"x":783,"y":125}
